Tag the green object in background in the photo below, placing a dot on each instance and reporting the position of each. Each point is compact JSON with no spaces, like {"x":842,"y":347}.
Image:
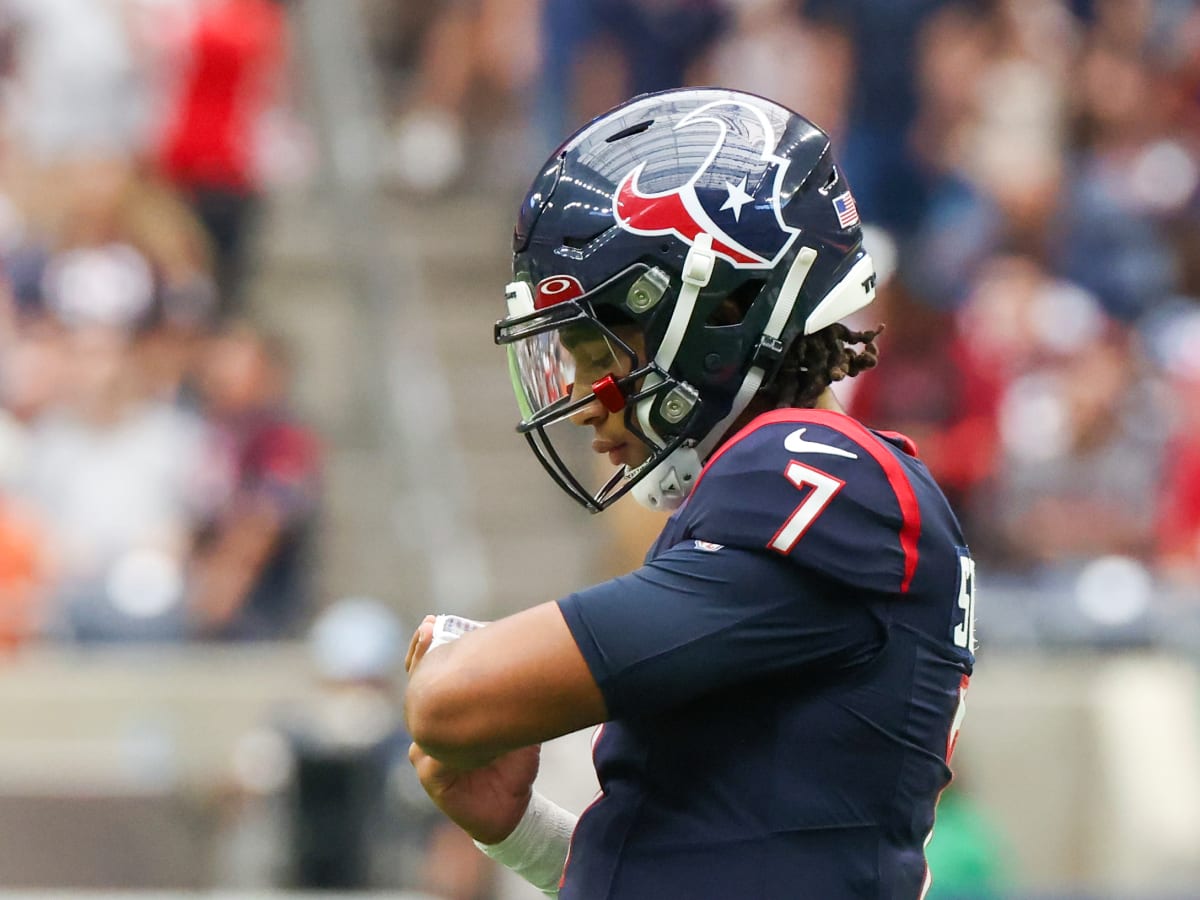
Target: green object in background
{"x":967,"y":854}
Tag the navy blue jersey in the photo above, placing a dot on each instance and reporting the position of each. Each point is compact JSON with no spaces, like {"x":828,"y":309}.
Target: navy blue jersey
{"x":783,"y":676}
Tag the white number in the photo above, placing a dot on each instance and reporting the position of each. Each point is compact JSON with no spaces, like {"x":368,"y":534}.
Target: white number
{"x":964,"y":634}
{"x":824,"y":487}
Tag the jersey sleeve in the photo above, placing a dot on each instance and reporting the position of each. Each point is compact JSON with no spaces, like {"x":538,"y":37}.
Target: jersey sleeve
{"x":818,"y":488}
{"x":699,"y":618}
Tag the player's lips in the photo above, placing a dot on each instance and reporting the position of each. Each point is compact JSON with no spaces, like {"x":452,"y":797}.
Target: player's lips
{"x":614,"y":449}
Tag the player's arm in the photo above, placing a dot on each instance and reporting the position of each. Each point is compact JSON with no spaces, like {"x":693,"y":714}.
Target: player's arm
{"x":495,"y":803}
{"x":705,"y":618}
{"x":520,"y":681}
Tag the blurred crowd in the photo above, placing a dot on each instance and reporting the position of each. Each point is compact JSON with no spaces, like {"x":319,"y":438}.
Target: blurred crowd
{"x":153,"y":483}
{"x":1029,"y":175}
{"x":1028,"y":170}
{"x":1046,"y":237}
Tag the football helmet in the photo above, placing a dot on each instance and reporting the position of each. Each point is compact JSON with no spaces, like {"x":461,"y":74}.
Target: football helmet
{"x":632,"y":236}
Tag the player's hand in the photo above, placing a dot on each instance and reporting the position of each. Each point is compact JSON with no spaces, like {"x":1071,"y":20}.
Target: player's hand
{"x":486,"y":803}
{"x":419,"y":645}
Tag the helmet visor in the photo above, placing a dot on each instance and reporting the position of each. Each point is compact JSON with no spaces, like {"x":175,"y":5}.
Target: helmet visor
{"x":579,"y":372}
{"x":552,"y":369}
{"x":576,"y":381}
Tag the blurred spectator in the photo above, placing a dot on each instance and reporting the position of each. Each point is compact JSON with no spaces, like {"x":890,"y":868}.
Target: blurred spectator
{"x":1174,"y":345}
{"x":948,"y":374}
{"x":990,"y":137}
{"x":465,"y":50}
{"x":154,"y":219}
{"x":77,"y":92}
{"x":1112,"y":238}
{"x":233,"y":62}
{"x":22,"y":549}
{"x":1016,"y":317}
{"x":924,"y":392}
{"x":32,"y":367}
{"x":109,"y":286}
{"x":772,"y":50}
{"x":1082,"y":445}
{"x":252,"y":565}
{"x":185,"y":307}
{"x":569,"y":58}
{"x":345,"y":809}
{"x":77,"y":119}
{"x":888,"y":184}
{"x":114,"y":474}
{"x":22,"y":565}
{"x":656,"y":42}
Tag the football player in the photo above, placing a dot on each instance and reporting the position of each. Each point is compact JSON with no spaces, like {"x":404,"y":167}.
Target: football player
{"x":780,"y":684}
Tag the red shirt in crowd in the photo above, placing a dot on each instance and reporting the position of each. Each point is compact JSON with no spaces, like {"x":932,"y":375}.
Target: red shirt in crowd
{"x":235,"y":53}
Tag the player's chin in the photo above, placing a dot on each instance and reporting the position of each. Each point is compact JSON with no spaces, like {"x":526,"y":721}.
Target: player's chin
{"x":629,"y":454}
{"x":633,"y":456}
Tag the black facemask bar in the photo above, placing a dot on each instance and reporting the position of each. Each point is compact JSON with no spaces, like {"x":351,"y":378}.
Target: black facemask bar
{"x":534,"y":423}
{"x":560,"y":412}
{"x":616,"y":487}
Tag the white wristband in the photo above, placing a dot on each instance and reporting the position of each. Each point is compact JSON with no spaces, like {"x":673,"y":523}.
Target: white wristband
{"x":537,"y":848}
{"x":447,"y":628}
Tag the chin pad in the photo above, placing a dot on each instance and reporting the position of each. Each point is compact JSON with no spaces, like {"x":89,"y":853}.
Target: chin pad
{"x":667,"y":485}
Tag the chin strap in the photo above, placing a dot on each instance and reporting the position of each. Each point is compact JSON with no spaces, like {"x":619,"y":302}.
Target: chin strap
{"x":668,"y":484}
{"x":780,"y":313}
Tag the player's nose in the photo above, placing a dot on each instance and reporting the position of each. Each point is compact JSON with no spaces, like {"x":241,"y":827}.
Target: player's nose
{"x":592,"y":412}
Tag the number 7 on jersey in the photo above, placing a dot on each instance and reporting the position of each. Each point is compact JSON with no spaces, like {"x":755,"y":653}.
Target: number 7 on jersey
{"x":822,"y":487}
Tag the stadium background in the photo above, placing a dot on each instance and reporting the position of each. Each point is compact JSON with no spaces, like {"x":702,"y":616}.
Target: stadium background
{"x":207,"y":206}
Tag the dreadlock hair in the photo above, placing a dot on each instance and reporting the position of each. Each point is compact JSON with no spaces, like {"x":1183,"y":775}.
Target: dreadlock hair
{"x":817,"y":360}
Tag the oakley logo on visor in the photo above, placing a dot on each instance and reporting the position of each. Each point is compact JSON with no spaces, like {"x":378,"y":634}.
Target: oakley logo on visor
{"x":557,"y":289}
{"x":714,"y":206}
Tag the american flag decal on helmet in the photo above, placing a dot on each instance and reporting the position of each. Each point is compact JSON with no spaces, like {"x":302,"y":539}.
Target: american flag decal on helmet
{"x":847,"y":212}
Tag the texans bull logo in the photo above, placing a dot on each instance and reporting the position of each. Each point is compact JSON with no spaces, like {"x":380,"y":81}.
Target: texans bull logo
{"x":688,"y":210}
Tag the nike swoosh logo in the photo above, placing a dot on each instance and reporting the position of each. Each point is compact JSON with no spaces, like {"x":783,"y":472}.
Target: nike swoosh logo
{"x":795,"y":443}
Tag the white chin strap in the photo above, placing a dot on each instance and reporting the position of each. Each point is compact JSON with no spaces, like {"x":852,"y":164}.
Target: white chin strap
{"x":666,"y":486}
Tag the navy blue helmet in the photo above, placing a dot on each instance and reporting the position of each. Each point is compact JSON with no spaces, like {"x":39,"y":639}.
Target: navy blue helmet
{"x":649,"y":218}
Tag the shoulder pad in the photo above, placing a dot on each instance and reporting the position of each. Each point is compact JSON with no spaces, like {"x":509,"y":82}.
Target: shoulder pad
{"x":819,"y":488}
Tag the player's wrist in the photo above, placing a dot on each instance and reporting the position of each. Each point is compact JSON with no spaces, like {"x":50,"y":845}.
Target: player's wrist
{"x":491,"y":833}
{"x":487,"y":839}
{"x":536,"y":849}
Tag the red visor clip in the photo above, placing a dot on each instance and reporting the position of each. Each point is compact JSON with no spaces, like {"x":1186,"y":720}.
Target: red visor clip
{"x":609,"y":393}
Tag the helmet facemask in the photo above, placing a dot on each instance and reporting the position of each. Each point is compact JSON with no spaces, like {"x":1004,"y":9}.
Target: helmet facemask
{"x":579,"y":361}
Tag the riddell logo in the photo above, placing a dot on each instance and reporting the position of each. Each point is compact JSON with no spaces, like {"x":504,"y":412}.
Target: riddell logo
{"x":688,"y":210}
